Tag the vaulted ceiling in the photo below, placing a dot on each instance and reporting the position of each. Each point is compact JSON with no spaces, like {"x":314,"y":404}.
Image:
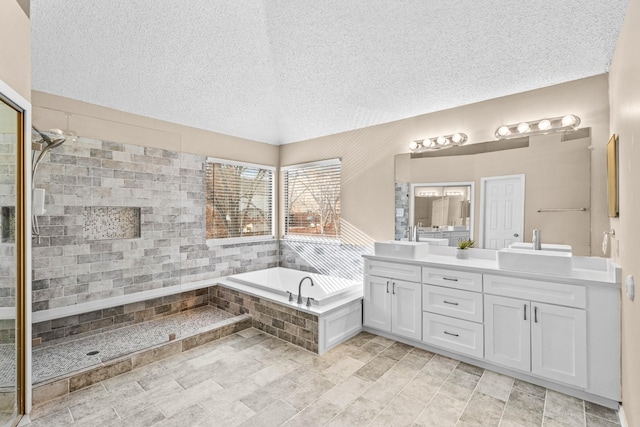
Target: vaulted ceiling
{"x":280,"y":71}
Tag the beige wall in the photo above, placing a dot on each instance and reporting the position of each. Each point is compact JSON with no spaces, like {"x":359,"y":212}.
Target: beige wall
{"x":15,"y":49}
{"x":625,"y":122}
{"x":93,"y":121}
{"x":368,"y":154}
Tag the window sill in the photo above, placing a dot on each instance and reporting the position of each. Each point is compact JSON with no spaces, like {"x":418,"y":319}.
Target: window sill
{"x":312,"y":239}
{"x":238,"y":240}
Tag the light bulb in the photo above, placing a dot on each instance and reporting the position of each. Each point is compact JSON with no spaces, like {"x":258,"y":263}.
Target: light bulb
{"x":569,"y":120}
{"x":544,"y":124}
{"x":523,"y":127}
{"x":503,"y":131}
{"x":457,"y":138}
{"x":441,"y":140}
{"x":413,"y":145}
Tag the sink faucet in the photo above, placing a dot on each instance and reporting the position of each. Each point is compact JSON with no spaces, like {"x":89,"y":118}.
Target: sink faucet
{"x":413,"y":232}
{"x":537,"y":243}
{"x":300,"y":286}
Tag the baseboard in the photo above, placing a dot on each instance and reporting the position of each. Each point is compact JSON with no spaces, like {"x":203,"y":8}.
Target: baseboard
{"x":622,"y":416}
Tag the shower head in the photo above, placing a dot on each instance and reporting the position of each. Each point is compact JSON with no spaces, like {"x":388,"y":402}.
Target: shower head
{"x":50,"y":145}
{"x":46,"y":138}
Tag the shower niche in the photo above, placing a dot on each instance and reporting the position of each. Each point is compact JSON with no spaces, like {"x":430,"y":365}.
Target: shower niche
{"x":108,"y":223}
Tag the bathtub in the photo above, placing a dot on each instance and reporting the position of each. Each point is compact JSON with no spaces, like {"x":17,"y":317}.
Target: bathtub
{"x":337,"y":302}
{"x":281,"y":281}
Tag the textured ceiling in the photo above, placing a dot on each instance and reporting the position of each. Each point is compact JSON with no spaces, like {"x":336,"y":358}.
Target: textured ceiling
{"x":280,"y":71}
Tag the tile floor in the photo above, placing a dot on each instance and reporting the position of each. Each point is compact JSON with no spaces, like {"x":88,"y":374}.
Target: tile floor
{"x":254,"y":379}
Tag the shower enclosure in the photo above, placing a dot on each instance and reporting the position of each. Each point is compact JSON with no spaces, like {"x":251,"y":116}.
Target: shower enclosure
{"x":14,"y":120}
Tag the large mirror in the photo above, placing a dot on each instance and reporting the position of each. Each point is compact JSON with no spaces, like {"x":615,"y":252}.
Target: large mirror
{"x":442,"y":211}
{"x":557,"y":185}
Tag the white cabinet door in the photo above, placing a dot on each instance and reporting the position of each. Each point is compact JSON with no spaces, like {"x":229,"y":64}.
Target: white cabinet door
{"x":377,"y":303}
{"x":406,"y":318}
{"x":559,"y":343}
{"x":507,"y":331}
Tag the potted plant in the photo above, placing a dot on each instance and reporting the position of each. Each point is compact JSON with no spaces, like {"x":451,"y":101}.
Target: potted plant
{"x":463,"y":245}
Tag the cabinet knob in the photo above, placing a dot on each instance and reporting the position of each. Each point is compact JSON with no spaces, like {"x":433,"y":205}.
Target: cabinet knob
{"x":516,"y":235}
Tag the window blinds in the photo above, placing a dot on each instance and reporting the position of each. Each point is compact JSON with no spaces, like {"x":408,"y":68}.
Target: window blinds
{"x":312,"y":199}
{"x":239,"y":199}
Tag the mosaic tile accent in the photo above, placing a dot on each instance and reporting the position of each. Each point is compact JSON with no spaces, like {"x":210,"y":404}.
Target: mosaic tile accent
{"x":7,"y":366}
{"x":295,"y":326}
{"x":104,"y":223}
{"x":98,"y":321}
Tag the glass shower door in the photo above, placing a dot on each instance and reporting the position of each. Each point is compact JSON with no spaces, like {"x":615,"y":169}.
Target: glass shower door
{"x":11,"y":274}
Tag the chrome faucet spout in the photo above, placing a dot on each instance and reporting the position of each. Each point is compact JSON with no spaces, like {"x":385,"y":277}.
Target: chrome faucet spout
{"x":300,"y":287}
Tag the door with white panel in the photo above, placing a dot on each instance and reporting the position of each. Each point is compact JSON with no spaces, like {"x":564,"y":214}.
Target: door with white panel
{"x":507,"y":331}
{"x":502,"y":211}
{"x":377,"y":303}
{"x":406,"y":319}
{"x":559,"y":343}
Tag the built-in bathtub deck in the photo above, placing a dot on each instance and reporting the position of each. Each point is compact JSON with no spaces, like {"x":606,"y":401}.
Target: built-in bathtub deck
{"x":62,"y":368}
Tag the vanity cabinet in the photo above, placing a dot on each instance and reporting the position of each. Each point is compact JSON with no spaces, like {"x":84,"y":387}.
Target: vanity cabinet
{"x":547,"y":340}
{"x":536,"y":326}
{"x":391,"y":303}
{"x":559,"y":332}
{"x":453,"y":310}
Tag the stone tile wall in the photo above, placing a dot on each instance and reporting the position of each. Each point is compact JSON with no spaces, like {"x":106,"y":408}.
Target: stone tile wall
{"x":289,"y":324}
{"x":324,"y":258}
{"x":7,"y":202}
{"x":402,"y":202}
{"x":168,"y":188}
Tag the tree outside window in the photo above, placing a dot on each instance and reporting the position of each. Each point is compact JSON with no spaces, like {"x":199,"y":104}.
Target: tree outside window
{"x":239,"y":200}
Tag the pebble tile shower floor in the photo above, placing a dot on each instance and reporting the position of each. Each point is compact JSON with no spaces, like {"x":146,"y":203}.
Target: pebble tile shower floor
{"x":253,"y":379}
{"x":61,"y":359}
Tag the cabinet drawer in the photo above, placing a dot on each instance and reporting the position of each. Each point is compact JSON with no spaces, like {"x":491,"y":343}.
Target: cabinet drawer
{"x":452,"y":279}
{"x":394,"y":270}
{"x":452,"y":302}
{"x":534,"y":290}
{"x":453,"y":334}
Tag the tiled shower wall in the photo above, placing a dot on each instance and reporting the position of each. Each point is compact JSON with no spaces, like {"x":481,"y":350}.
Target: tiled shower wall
{"x":169,"y":189}
{"x":7,"y":246}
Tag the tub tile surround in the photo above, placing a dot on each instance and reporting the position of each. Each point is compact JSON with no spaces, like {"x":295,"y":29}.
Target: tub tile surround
{"x":251,"y":378}
{"x":291,"y":325}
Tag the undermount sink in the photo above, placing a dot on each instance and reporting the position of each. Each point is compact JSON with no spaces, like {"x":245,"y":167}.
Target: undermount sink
{"x":401,"y":249}
{"x":544,"y":261}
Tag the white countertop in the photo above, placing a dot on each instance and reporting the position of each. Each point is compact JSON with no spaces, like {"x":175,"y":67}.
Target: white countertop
{"x":586,"y":270}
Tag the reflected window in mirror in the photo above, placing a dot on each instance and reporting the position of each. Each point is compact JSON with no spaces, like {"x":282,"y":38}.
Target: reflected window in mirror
{"x":442,"y":211}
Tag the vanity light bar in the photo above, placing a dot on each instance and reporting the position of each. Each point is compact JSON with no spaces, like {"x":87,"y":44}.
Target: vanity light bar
{"x":437,"y":143}
{"x":537,"y":127}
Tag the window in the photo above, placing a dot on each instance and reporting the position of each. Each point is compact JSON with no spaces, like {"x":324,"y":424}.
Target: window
{"x":312,"y":199}
{"x":239,"y":200}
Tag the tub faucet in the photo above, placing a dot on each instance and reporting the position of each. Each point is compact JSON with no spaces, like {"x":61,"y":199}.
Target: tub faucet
{"x":300,"y":287}
{"x":537,"y":243}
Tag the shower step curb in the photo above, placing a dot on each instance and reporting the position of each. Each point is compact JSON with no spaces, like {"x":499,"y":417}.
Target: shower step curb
{"x":61,"y":386}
